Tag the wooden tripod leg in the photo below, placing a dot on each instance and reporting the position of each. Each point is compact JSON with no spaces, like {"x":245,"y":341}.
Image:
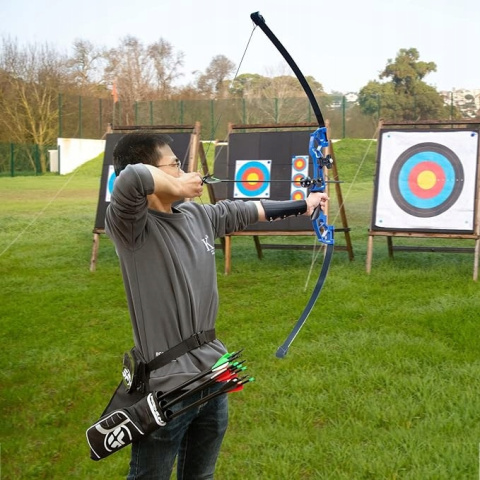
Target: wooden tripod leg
{"x":228,"y":253}
{"x":93,"y":260}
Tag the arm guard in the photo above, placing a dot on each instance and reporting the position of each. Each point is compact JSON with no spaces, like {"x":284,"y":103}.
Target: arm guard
{"x":283,"y":209}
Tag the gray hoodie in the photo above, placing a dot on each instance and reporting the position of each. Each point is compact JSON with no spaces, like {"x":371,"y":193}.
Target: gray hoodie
{"x":168,"y":268}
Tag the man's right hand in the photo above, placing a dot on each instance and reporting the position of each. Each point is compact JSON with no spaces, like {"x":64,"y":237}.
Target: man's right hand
{"x":192,"y":184}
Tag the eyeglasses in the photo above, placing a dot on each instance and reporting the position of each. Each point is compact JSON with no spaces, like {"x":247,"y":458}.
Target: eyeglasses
{"x":176,"y":164}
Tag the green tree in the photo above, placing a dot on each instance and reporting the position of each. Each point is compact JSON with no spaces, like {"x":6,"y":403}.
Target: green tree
{"x":404,"y":96}
{"x":247,"y":85}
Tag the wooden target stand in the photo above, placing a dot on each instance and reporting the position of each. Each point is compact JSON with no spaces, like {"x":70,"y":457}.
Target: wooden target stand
{"x":226,"y":242}
{"x":190,"y":156}
{"x":397,"y":234}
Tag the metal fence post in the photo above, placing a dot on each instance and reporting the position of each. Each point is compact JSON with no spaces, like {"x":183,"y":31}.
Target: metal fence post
{"x":212,"y":120}
{"x":100,"y":131}
{"x":36,"y":158}
{"x":79,"y":116}
{"x":60,"y":113}
{"x":12,"y":160}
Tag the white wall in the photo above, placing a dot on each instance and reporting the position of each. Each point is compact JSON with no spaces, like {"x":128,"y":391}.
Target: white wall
{"x":74,"y":152}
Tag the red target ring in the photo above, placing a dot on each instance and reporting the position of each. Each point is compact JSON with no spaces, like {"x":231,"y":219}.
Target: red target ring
{"x":426,"y":180}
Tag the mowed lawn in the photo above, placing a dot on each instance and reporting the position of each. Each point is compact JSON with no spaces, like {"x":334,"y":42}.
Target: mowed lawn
{"x":381,"y":383}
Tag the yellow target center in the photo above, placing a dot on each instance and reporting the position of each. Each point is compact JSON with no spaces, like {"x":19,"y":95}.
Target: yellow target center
{"x":252,"y":178}
{"x":426,"y":180}
{"x":300,"y":164}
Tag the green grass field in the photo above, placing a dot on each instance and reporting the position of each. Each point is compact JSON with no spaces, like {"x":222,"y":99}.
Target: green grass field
{"x":381,"y":383}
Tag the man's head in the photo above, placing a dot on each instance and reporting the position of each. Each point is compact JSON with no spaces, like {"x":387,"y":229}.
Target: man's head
{"x":140,"y":147}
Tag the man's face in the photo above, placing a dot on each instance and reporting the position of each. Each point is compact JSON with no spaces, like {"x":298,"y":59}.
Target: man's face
{"x":169,"y":162}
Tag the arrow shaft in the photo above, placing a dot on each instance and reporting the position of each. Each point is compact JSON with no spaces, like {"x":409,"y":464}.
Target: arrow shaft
{"x":213,"y":180}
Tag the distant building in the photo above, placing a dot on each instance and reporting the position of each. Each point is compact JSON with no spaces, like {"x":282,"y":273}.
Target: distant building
{"x":467,"y":101}
{"x":351,"y":97}
{"x":337,"y":100}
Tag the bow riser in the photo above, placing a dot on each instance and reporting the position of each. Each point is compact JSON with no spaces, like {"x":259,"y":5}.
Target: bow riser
{"x":318,"y":145}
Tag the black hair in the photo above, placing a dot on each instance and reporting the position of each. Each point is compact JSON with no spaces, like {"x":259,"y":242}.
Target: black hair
{"x":138,"y":147}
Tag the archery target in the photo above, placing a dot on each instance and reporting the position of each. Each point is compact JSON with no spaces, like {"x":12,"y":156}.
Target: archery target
{"x":300,"y":164}
{"x":252,"y":179}
{"x":426,"y":180}
{"x":299,"y":172}
{"x":110,"y":181}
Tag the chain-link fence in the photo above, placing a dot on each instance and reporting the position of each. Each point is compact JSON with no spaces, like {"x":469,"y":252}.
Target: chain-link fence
{"x":346,"y":119}
{"x":86,"y":117}
{"x":19,"y":160}
{"x":81,"y":117}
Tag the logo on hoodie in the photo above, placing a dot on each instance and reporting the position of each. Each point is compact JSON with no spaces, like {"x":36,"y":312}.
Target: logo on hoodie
{"x":210,"y":248}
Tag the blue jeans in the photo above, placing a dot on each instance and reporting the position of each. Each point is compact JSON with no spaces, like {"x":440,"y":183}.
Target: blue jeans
{"x":195,"y":437}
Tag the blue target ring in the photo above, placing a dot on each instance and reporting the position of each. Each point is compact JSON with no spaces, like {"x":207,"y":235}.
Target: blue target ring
{"x":111,"y":181}
{"x":252,"y":179}
{"x":426,"y":179}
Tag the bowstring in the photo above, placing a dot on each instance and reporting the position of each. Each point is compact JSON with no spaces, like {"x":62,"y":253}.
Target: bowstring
{"x":218,"y":122}
{"x":234,"y":78}
{"x":39,"y":214}
{"x":316,"y":251}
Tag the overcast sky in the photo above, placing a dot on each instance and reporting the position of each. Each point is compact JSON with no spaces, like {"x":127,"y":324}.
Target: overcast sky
{"x":343,"y":44}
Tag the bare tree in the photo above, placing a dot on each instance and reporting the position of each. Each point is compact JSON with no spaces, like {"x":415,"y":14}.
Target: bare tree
{"x":128,"y":65}
{"x":166,"y":64}
{"x":142,"y":71}
{"x":86,"y":65}
{"x":214,"y":82}
{"x":30,"y":78}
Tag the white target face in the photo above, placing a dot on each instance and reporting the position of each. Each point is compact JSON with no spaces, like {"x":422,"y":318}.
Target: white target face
{"x":252,"y":178}
{"x":299,"y":172}
{"x":426,"y":180}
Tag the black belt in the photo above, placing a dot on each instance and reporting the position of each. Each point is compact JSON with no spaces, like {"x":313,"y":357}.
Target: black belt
{"x":191,"y":343}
